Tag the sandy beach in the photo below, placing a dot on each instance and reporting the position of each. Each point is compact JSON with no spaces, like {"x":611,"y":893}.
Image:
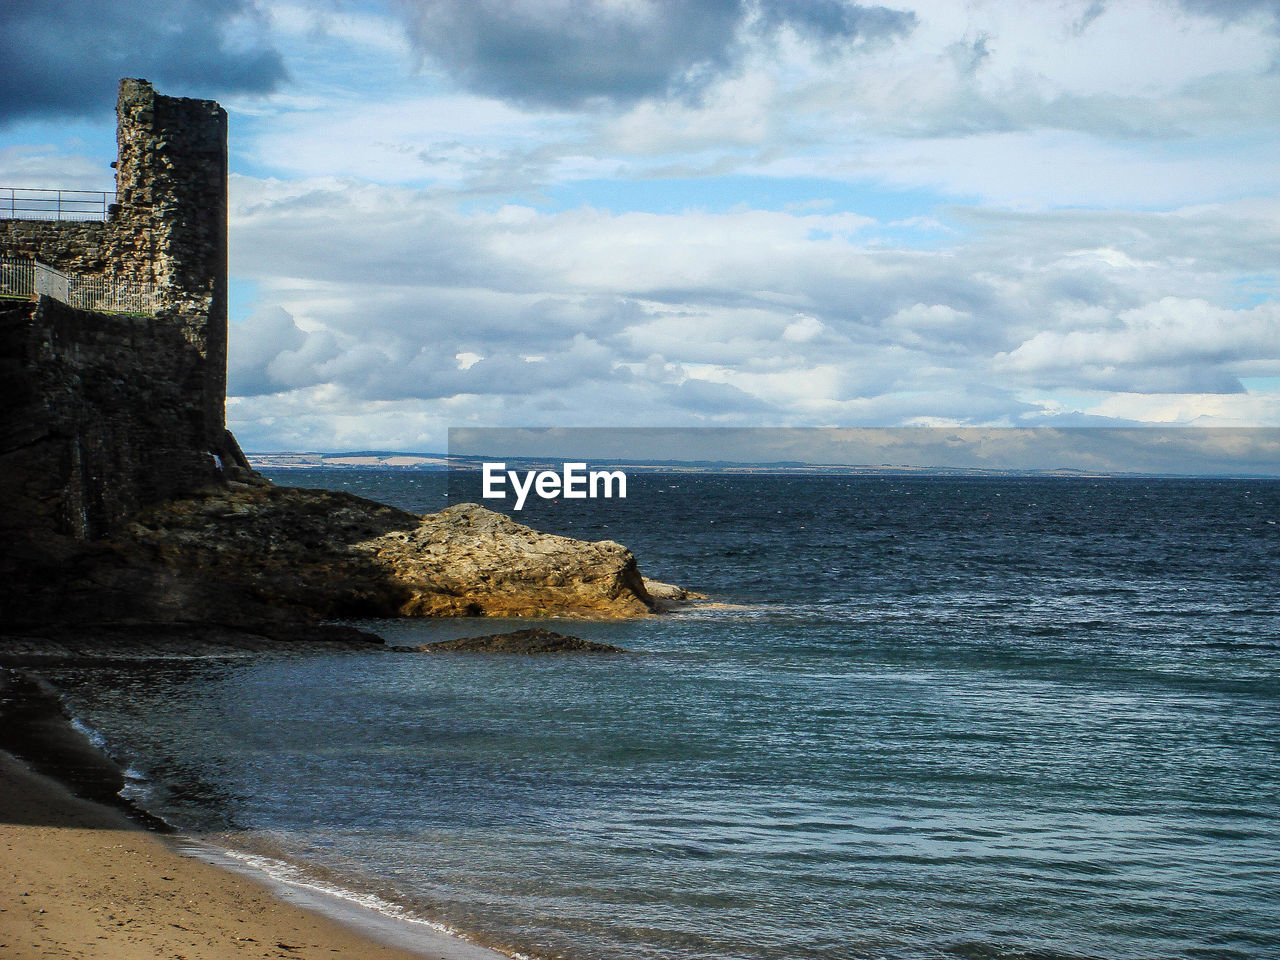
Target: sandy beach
{"x":88,"y":879}
{"x":80,"y":880}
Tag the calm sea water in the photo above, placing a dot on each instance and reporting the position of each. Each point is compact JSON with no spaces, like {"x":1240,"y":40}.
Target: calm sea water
{"x":946,"y":718}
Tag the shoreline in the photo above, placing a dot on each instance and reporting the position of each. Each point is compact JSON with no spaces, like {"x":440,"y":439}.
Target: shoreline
{"x":85,"y":872}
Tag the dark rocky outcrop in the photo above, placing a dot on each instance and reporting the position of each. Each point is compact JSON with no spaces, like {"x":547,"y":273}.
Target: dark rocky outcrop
{"x":533,"y":641}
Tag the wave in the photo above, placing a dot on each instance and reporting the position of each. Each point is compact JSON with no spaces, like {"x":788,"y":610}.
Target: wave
{"x":383,"y":918}
{"x":91,"y":734}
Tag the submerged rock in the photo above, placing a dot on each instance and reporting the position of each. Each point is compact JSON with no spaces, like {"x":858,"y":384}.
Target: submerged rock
{"x":667,"y":596}
{"x":536,"y":640}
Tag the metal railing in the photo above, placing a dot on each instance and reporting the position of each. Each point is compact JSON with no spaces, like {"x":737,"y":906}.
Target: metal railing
{"x":17,"y":277}
{"x":22,"y":203}
{"x":21,"y":277}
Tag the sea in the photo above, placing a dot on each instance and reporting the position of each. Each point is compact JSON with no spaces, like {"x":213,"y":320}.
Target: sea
{"x":925,"y":718}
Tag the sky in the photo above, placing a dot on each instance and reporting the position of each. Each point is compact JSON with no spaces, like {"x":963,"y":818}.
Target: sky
{"x":707,"y":213}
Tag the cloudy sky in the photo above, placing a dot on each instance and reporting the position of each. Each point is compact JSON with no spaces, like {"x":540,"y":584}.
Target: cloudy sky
{"x":462,"y":213}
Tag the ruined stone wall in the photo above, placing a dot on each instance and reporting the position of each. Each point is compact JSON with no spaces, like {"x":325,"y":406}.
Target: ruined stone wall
{"x":110,"y":412}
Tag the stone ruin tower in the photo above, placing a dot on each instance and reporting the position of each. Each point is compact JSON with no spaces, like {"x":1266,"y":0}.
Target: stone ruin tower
{"x":111,"y":412}
{"x":169,"y":224}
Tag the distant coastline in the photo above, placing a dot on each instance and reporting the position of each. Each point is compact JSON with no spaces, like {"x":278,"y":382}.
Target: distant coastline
{"x":441,"y":462}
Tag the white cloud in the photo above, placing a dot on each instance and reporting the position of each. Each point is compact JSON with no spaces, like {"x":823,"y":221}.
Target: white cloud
{"x":741,"y":111}
{"x":41,"y":166}
{"x":1095,"y":242}
{"x":802,"y":329}
{"x":1188,"y":334}
{"x":777,"y":316}
{"x":348,"y":28}
{"x":410,"y":137}
{"x":1007,"y":102}
{"x":1217,"y":410}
